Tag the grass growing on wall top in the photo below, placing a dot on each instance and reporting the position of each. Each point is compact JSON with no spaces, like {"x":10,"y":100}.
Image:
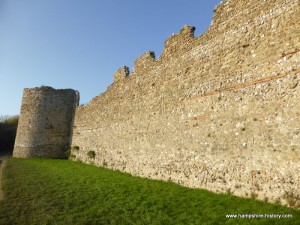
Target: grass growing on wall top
{"x":40,"y":191}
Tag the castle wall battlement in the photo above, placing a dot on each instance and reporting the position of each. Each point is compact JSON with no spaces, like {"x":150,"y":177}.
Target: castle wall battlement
{"x":219,"y":111}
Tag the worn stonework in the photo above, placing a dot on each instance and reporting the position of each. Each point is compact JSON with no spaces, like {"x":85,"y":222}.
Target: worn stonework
{"x":45,"y":123}
{"x":220,"y":111}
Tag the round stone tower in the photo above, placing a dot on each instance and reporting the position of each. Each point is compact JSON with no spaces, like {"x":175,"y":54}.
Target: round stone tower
{"x":45,"y":123}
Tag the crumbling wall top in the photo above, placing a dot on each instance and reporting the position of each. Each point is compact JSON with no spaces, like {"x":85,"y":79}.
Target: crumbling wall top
{"x":178,"y":42}
{"x":143,"y":62}
{"x":121,"y":74}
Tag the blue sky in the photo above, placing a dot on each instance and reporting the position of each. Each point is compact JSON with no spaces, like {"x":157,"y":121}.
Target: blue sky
{"x":79,"y":44}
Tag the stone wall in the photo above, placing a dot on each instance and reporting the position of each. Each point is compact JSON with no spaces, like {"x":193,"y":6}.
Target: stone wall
{"x":220,"y":111}
{"x":45,"y":122}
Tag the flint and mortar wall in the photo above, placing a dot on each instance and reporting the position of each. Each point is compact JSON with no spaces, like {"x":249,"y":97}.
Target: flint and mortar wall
{"x":45,"y":123}
{"x":220,"y":111}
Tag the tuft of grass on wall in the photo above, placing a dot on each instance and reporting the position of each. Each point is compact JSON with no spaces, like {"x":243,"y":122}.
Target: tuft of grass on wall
{"x":91,"y":154}
{"x":44,"y":191}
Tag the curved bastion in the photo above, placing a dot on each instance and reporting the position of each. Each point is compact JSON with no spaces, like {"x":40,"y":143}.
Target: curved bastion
{"x":45,"y":124}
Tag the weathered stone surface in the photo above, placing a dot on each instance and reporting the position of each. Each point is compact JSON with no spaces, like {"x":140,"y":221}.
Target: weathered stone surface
{"x":219,"y":111}
{"x":121,"y":74}
{"x":45,"y":123}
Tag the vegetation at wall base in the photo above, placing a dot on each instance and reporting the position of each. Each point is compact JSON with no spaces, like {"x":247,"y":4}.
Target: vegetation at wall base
{"x":43,"y":191}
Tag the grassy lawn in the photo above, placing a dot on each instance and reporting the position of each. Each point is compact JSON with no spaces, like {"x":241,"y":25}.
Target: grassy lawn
{"x":41,"y":191}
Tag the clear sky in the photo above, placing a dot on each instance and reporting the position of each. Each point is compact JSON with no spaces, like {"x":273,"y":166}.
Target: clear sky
{"x":79,"y":44}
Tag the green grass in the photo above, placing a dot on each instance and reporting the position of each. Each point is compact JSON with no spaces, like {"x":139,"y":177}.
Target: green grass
{"x":40,"y":191}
